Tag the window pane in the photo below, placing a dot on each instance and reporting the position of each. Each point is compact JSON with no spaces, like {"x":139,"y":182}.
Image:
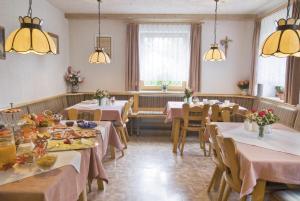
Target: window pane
{"x":270,"y":70}
{"x":164,"y":52}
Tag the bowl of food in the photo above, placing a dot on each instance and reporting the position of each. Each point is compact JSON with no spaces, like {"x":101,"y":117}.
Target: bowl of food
{"x":70,"y":123}
{"x":87,"y":125}
{"x":46,"y":162}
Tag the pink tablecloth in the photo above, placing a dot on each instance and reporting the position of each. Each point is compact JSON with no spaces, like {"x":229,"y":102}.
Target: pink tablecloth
{"x":174,"y":109}
{"x":65,"y":183}
{"x":265,"y":164}
{"x":109,"y":112}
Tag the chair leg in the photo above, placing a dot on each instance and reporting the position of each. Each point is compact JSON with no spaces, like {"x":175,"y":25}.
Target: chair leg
{"x":212,"y":181}
{"x":244,"y":198}
{"x":202,"y":142}
{"x":126,"y":133}
{"x":183,"y":140}
{"x":122,"y":136}
{"x":226,"y":193}
{"x":90,"y":185}
{"x":222,"y":188}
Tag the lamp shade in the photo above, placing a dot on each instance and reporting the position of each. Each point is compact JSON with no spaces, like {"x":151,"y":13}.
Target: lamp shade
{"x":285,"y":41}
{"x":214,"y":54}
{"x":99,"y":57}
{"x":30,"y":38}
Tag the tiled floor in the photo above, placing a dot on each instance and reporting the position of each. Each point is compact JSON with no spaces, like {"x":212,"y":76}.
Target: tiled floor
{"x":149,"y":171}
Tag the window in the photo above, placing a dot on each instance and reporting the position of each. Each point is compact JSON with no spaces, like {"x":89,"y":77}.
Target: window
{"x":164,"y":51}
{"x":271,"y":70}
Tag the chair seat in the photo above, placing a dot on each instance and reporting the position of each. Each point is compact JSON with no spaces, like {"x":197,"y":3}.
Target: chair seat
{"x":288,"y":195}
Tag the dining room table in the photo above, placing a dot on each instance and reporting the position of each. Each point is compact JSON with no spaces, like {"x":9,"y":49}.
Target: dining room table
{"x":174,"y":115}
{"x":65,"y":183}
{"x":272,"y":158}
{"x":110,"y":111}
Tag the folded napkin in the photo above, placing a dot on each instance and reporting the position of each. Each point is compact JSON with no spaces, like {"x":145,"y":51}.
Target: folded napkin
{"x":19,"y":172}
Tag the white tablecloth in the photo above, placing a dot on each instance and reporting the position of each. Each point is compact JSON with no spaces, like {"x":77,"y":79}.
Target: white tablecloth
{"x":19,"y":172}
{"x":287,"y":141}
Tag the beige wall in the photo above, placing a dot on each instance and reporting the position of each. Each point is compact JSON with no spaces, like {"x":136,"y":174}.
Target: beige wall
{"x":27,"y":77}
{"x":216,"y":77}
{"x":98,"y":76}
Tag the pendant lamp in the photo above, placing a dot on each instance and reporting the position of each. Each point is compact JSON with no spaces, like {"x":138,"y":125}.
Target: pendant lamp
{"x":214,"y":53}
{"x":99,"y":56}
{"x":30,"y":38}
{"x":285,"y":41}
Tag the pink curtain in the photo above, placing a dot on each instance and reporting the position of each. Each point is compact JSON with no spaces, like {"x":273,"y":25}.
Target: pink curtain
{"x":195,"y":63}
{"x":292,"y":83}
{"x":132,"y":59}
{"x":255,"y":50}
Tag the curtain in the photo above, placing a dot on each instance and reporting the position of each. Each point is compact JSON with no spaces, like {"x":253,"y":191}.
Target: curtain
{"x":132,"y":59}
{"x":292,"y":84}
{"x":255,"y":52}
{"x":164,"y":52}
{"x":271,"y":70}
{"x":195,"y":63}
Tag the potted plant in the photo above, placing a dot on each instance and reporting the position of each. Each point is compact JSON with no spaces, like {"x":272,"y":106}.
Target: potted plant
{"x":100,"y":95}
{"x":188,"y":95}
{"x":279,"y":92}
{"x":243,"y":85}
{"x":42,"y":123}
{"x":264,"y":120}
{"x":73,"y":78}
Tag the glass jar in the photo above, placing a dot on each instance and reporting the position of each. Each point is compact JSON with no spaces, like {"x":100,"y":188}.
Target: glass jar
{"x":7,"y":149}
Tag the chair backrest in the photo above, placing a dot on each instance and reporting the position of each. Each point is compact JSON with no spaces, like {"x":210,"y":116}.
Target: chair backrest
{"x":213,"y":131}
{"x":235,"y":109}
{"x":215,"y":113}
{"x":126,"y":111}
{"x":226,"y":115}
{"x":196,"y":114}
{"x":97,"y":115}
{"x":73,"y":114}
{"x":230,"y":159}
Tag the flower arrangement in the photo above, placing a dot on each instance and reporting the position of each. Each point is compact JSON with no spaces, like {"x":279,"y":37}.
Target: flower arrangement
{"x":73,"y":77}
{"x":101,"y":94}
{"x":265,"y":117}
{"x":188,"y":93}
{"x":243,"y":84}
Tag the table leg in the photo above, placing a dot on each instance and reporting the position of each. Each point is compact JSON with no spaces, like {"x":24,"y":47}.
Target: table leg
{"x":100,"y":184}
{"x":258,"y":193}
{"x":83,"y":195}
{"x":175,"y":129}
{"x":112,"y":152}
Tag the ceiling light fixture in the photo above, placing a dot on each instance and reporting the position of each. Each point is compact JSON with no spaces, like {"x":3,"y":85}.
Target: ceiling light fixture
{"x":285,"y":41}
{"x":99,"y":56}
{"x":30,"y":38}
{"x":214,"y":53}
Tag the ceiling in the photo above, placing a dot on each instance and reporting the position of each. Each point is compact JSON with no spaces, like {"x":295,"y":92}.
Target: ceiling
{"x":167,"y":6}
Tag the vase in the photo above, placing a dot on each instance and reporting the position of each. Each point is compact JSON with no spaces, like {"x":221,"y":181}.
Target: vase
{"x":188,"y":100}
{"x":100,"y":101}
{"x":261,"y":131}
{"x":74,"y":88}
{"x":244,"y":92}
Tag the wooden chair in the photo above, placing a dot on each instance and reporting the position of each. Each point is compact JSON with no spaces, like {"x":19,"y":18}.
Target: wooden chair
{"x":121,"y":126}
{"x":232,"y":167}
{"x":194,"y":119}
{"x":215,"y":113}
{"x":217,"y":159}
{"x":225,"y":114}
{"x":73,"y":114}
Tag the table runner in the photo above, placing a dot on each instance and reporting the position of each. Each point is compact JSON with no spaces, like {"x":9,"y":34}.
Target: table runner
{"x":19,"y":172}
{"x":261,"y":163}
{"x":279,"y":140}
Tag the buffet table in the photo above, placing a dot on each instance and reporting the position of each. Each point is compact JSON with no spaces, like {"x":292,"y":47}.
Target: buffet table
{"x":276,"y":157}
{"x":65,"y":183}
